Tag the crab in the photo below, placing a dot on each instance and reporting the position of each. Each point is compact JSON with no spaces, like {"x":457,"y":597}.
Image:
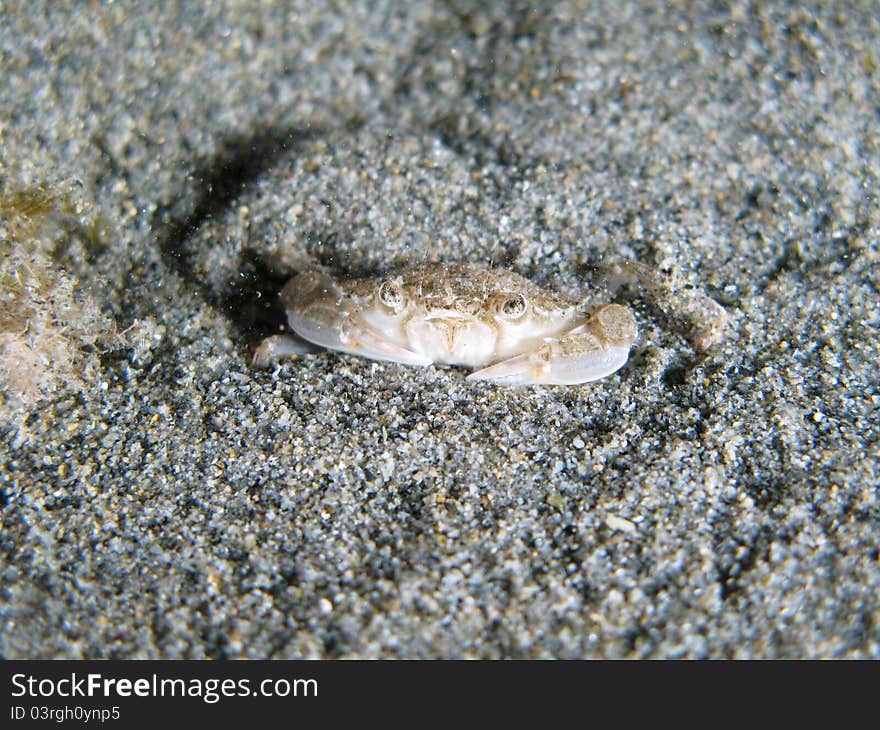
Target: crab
{"x":512,"y":331}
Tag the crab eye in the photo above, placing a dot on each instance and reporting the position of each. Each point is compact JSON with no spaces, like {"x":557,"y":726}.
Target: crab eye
{"x":390,"y":294}
{"x":514,"y":306}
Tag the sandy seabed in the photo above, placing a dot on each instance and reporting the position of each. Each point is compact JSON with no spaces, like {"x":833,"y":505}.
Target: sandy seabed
{"x":165,"y":499}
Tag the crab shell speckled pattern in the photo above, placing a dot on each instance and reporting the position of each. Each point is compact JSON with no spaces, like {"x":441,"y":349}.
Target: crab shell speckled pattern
{"x":513,"y":331}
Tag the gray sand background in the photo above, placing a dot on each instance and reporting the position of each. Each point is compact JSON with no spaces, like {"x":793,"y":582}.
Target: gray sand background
{"x":165,"y":499}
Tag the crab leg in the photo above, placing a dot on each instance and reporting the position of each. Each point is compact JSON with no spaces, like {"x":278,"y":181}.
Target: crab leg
{"x":280,"y":347}
{"x":591,"y":351}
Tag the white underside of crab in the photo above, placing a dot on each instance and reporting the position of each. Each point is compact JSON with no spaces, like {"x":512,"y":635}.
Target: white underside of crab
{"x":509,"y":330}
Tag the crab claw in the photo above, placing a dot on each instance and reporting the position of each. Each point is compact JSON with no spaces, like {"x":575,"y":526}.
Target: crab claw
{"x":597,"y":348}
{"x":318,"y":311}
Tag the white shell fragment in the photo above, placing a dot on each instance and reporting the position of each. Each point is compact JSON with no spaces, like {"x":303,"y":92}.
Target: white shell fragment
{"x":511,"y":331}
